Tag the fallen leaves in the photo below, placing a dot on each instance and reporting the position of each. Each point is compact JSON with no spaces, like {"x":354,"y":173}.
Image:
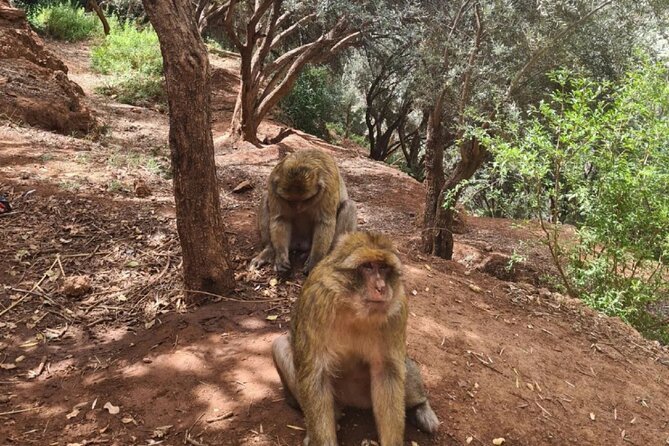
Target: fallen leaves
{"x":113,"y":410}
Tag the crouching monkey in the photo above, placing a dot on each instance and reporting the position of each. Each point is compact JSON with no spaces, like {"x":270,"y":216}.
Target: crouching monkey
{"x":347,"y":346}
{"x":306,"y":208}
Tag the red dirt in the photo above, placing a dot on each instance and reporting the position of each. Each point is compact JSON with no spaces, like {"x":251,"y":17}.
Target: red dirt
{"x":500,"y":359}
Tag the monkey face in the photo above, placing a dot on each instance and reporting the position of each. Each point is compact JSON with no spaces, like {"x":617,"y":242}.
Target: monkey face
{"x":377,"y":289}
{"x":299,"y":203}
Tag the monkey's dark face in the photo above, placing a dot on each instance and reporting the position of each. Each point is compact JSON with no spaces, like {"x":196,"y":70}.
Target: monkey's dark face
{"x":377,"y":288}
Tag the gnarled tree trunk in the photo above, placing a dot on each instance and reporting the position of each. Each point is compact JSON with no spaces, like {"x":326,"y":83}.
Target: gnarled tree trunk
{"x":201,"y":231}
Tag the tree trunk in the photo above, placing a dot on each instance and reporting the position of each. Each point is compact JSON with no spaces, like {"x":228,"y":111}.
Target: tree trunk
{"x":434,"y":174}
{"x":206,"y":267}
{"x":472,"y":156}
{"x":93,"y":4}
{"x":245,"y":122}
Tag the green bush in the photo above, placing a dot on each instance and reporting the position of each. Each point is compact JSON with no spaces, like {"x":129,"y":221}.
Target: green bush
{"x":313,"y":101}
{"x":64,"y":21}
{"x":128,"y":49}
{"x":597,"y":154}
{"x":133,"y":56}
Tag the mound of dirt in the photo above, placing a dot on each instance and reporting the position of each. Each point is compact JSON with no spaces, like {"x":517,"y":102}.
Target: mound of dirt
{"x":34,"y":87}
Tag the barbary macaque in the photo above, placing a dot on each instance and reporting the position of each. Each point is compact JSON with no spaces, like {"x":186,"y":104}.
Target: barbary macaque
{"x":306,"y":208}
{"x":347,"y":344}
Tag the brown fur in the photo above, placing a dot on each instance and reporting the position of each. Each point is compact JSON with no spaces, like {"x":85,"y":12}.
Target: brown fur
{"x":347,"y":348}
{"x":306,"y":207}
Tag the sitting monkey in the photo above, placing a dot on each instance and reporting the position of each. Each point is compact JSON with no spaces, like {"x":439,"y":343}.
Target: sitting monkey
{"x":347,"y":344}
{"x":306,"y":208}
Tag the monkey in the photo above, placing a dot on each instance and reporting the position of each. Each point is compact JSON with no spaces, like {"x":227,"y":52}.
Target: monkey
{"x":306,"y":208}
{"x":347,"y":344}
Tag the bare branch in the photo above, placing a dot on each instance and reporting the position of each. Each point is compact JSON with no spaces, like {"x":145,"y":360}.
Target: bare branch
{"x":291,"y":29}
{"x":229,"y":26}
{"x":265,"y":45}
{"x":259,"y":11}
{"x":345,"y":42}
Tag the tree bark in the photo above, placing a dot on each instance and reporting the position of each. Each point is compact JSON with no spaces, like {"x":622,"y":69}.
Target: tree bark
{"x":472,"y":156}
{"x":206,"y":267}
{"x":434,"y":172}
{"x":93,"y":4}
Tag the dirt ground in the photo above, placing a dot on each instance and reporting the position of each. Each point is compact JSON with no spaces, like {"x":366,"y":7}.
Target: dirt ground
{"x":96,"y":346}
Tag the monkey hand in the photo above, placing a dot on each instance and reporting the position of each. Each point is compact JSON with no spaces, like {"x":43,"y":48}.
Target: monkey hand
{"x":282,"y":268}
{"x":264,"y":258}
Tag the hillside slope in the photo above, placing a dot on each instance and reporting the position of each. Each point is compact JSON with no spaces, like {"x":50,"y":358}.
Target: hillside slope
{"x":500,"y":359}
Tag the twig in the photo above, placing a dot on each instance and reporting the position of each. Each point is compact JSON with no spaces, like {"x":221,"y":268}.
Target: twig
{"x":196,"y":421}
{"x":486,"y":364}
{"x":232,"y":299}
{"x":12,"y":412}
{"x":542,"y":408}
{"x":33,"y":288}
{"x":15,"y":303}
{"x":62,"y":271}
{"x":220,"y":417}
{"x":189,"y":440}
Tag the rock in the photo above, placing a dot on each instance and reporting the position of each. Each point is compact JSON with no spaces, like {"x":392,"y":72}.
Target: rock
{"x":141,"y":189}
{"x":75,"y":286}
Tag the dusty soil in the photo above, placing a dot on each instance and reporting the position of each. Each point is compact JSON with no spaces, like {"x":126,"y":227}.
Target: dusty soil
{"x":91,"y":313}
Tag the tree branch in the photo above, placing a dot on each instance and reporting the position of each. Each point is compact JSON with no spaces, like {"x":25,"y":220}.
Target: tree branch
{"x":541,"y":51}
{"x":229,"y":26}
{"x":467,"y":77}
{"x":291,"y":29}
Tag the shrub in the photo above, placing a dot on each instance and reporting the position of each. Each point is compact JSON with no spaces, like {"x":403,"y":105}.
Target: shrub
{"x":128,"y":49}
{"x":313,"y":101}
{"x":133,"y":56}
{"x":136,"y":89}
{"x":64,"y":21}
{"x":597,"y":154}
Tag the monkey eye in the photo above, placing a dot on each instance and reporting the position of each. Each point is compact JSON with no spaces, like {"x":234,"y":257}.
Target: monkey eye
{"x":367,"y":266}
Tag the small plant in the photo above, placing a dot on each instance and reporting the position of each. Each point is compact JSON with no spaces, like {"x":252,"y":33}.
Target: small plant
{"x":64,"y":21}
{"x":515,"y":259}
{"x":70,"y":186}
{"x":46,"y":157}
{"x":115,"y":186}
{"x":135,"y":89}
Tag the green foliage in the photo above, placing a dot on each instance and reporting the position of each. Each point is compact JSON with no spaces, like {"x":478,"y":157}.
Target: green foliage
{"x":135,"y":88}
{"x":313,"y":101}
{"x":126,"y":10}
{"x":127,"y":49}
{"x":597,"y":154}
{"x":133,"y":56}
{"x":64,"y":21}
